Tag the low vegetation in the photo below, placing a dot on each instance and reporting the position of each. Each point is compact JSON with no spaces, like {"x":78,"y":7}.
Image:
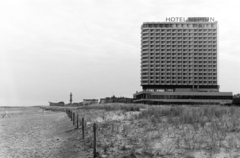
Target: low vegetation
{"x":135,"y":130}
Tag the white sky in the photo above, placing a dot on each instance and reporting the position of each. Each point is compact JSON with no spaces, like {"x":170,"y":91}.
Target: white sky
{"x":49,"y":48}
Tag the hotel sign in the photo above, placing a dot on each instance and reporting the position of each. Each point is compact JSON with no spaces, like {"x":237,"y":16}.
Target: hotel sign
{"x":190,"y":19}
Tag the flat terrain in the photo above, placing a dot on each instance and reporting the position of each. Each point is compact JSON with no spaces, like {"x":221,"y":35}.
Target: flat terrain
{"x":30,"y":132}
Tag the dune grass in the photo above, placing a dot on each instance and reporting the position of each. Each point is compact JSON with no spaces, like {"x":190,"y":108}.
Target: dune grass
{"x":115,"y":107}
{"x":165,"y":130}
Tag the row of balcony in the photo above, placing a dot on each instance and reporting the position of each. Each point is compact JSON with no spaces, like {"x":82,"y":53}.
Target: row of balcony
{"x":177,"y":53}
{"x":178,"y":46}
{"x":187,"y":68}
{"x":187,"y":76}
{"x":181,"y":35}
{"x":174,"y":48}
{"x":178,"y":79}
{"x":180,"y":66}
{"x":179,"y":30}
{"x":182,"y":75}
{"x":184,"y":68}
{"x":179,"y":50}
{"x":176,"y":36}
{"x":169,"y":69}
{"x":184,"y":72}
{"x":179,"y":56}
{"x":170,"y":38}
{"x":157,"y":40}
{"x":173,"y":69}
{"x":186,"y":40}
{"x":163,"y":77}
{"x":179,"y":73}
{"x":178,"y":61}
{"x":183,"y":62}
{"x":166,"y":70}
{"x":176,"y":40}
{"x":180,"y":83}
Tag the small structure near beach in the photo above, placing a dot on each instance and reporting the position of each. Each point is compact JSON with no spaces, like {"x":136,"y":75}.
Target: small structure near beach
{"x":57,"y":104}
{"x":90,"y":101}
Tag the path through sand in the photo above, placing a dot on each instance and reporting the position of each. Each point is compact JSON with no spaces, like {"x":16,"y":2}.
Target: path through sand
{"x":34,"y":134}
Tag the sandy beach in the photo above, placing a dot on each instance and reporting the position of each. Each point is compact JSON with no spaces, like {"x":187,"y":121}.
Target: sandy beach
{"x":30,"y":132}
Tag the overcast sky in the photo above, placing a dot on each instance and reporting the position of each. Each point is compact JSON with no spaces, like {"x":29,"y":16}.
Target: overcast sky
{"x":49,"y":48}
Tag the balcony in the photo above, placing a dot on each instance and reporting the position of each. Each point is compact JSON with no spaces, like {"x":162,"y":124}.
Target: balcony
{"x":145,"y":39}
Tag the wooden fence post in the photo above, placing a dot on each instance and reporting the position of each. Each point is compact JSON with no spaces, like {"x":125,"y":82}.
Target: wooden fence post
{"x":83,"y":124}
{"x":77,"y":121}
{"x":94,"y":140}
{"x":73,"y":118}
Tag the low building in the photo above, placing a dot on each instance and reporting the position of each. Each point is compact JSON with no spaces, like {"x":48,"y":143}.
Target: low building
{"x":114,"y":99}
{"x":90,"y":101}
{"x":148,"y":97}
{"x":57,"y":104}
{"x":103,"y":101}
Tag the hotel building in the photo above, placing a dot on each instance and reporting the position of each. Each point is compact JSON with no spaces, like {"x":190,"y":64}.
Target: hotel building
{"x":179,"y":63}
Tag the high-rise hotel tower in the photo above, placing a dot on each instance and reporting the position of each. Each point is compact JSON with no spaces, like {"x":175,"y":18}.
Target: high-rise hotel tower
{"x":179,"y":62}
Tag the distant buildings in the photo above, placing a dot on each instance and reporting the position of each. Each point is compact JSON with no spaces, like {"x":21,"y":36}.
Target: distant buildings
{"x":114,"y":99}
{"x":236,"y":100}
{"x":90,"y":101}
{"x":179,"y":63}
{"x":57,"y":104}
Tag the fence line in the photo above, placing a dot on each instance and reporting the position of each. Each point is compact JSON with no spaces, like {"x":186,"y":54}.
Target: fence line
{"x":71,"y":115}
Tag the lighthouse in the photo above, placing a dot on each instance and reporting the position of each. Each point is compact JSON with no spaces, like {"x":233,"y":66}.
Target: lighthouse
{"x":70,"y":98}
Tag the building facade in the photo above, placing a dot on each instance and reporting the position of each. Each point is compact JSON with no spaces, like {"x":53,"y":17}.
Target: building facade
{"x":180,"y":57}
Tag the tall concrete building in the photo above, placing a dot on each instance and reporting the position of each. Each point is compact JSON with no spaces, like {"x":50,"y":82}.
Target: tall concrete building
{"x":179,"y":62}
